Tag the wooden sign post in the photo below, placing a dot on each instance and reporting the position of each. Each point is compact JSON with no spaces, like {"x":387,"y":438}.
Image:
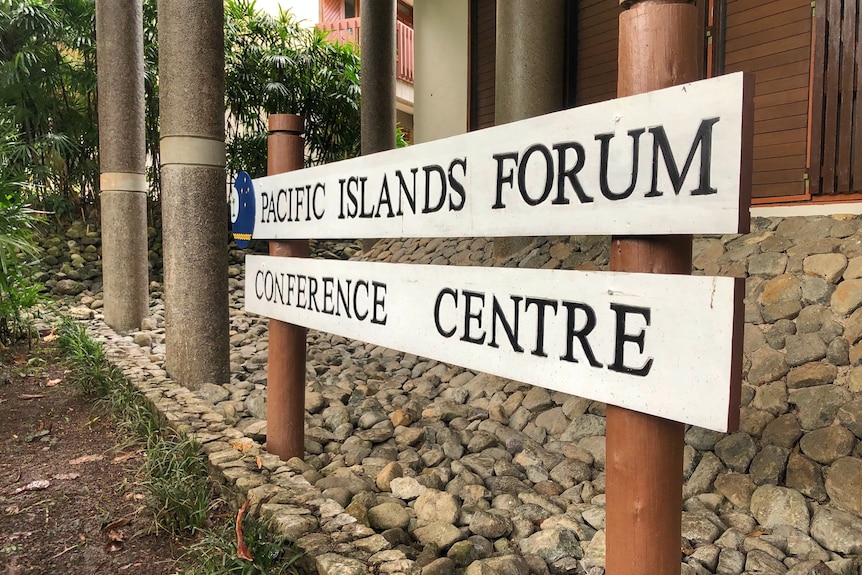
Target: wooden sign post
{"x":657,"y":49}
{"x":661,"y":348}
{"x":285,"y":406}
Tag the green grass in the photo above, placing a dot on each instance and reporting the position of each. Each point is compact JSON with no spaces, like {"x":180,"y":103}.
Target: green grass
{"x":215,"y":553}
{"x":174,"y":472}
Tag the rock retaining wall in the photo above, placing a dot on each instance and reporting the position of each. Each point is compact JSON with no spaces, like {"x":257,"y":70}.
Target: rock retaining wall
{"x":415,"y":466}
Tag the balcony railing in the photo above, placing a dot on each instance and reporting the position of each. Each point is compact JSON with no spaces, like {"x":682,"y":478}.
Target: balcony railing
{"x":347,"y":30}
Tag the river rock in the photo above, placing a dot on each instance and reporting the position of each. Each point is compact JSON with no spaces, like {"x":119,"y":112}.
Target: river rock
{"x":767,"y":365}
{"x":490,"y":524}
{"x":388,"y":516}
{"x":736,"y":487}
{"x":844,"y":484}
{"x":827,"y":444}
{"x":504,"y":565}
{"x":837,"y":531}
{"x":736,"y":451}
{"x":804,"y":475}
{"x":435,"y":506}
{"x":552,"y":545}
{"x":804,"y":348}
{"x":775,"y":506}
{"x":817,"y":406}
{"x":768,"y":465}
{"x":847,"y":296}
{"x":783,"y":431}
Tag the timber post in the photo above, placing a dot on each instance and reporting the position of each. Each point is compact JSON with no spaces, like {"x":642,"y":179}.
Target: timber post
{"x":285,"y":385}
{"x":657,"y":49}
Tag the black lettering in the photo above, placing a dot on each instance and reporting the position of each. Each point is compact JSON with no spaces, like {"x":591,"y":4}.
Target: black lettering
{"x":282,"y":216}
{"x":264,"y":206}
{"x":356,"y":300}
{"x":278,"y":288}
{"x":605,"y":161}
{"x":540,"y":304}
{"x":291,"y":286}
{"x":501,"y":179}
{"x":469,"y":316}
{"x":267,"y":286}
{"x":301,"y":282}
{"x":440,"y":330}
{"x":511,"y":333}
{"x":622,"y":337}
{"x":364,"y":214}
{"x":258,"y":291}
{"x":353,"y":208}
{"x":702,"y":139}
{"x":406,"y":192}
{"x":328,"y":307}
{"x":341,"y":197}
{"x":322,"y":189}
{"x":343,"y":298}
{"x":298,"y":202}
{"x":570,"y":174}
{"x":312,"y":294}
{"x":581,"y":334}
{"x":379,"y":304}
{"x":384,"y":199}
{"x":434,"y":168}
{"x":549,"y":174}
{"x":456,"y":185}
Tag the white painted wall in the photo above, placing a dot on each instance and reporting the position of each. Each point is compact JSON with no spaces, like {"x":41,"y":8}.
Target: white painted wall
{"x":307,"y":10}
{"x":441,"y":43}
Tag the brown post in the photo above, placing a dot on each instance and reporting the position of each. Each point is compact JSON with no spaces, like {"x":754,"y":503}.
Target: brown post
{"x":657,"y":49}
{"x":285,"y":386}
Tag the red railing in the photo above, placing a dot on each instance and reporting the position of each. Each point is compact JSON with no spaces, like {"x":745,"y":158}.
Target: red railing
{"x":347,"y":30}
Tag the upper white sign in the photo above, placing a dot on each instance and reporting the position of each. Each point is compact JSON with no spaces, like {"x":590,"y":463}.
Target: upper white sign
{"x":664,"y":162}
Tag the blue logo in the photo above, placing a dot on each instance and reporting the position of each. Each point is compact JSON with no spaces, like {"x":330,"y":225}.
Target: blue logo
{"x":242,"y":209}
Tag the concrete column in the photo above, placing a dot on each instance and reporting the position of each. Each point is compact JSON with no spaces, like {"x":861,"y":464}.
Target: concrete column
{"x":377,"y":109}
{"x":122,"y":158}
{"x":194,"y":204}
{"x":529,"y":76}
{"x":377,"y":37}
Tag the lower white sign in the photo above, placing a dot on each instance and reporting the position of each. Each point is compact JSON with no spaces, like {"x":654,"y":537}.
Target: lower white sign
{"x":657,"y":344}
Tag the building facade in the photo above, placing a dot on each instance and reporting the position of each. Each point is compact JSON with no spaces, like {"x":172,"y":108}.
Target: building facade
{"x":803,"y":55}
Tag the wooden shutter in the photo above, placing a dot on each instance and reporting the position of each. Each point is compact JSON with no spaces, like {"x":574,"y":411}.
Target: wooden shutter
{"x":836,"y":138}
{"x":332,"y":10}
{"x":483,"y":62}
{"x":772,"y":39}
{"x":598,"y":39}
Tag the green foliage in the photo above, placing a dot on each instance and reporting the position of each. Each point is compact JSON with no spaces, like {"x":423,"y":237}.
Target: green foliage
{"x":48,"y":84}
{"x":17,"y":247}
{"x":274,"y":65}
{"x":216,"y":553}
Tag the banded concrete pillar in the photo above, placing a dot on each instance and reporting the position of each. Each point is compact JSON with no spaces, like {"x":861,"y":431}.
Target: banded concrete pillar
{"x":377,"y":108}
{"x":529,"y":75}
{"x":122,"y":162}
{"x":194,"y":200}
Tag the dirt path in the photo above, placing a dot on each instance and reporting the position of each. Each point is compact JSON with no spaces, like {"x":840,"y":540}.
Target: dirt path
{"x":70,"y":497}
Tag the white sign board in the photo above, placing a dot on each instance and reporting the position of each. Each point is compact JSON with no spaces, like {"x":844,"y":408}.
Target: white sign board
{"x":657,"y":344}
{"x":664,"y":162}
